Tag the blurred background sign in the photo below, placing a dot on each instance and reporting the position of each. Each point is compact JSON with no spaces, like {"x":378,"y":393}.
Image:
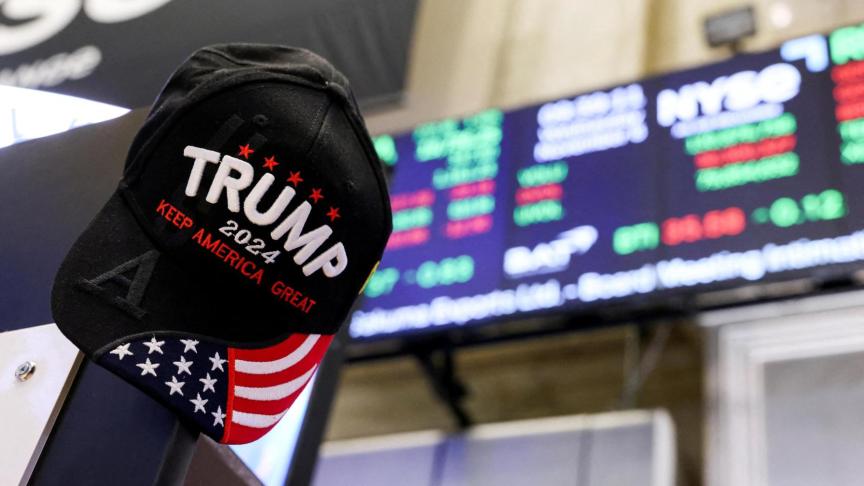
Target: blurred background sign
{"x":678,"y":186}
{"x":96,"y":49}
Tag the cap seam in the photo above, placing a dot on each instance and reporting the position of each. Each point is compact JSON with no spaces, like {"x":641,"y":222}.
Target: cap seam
{"x":375,"y":162}
{"x":269,"y":67}
{"x":323,"y":111}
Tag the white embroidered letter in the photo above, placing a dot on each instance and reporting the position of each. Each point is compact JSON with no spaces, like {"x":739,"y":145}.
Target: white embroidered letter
{"x":201,"y":156}
{"x":333,"y":261}
{"x":232,"y":185}
{"x":310,"y":242}
{"x":250,"y":205}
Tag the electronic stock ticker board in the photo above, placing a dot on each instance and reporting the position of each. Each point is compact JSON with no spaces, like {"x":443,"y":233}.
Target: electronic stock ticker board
{"x":742,"y":171}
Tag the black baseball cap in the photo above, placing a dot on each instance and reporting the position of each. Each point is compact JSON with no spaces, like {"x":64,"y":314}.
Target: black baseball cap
{"x":251,"y":212}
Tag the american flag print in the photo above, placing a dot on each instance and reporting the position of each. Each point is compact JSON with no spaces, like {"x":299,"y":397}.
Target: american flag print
{"x":233,"y":395}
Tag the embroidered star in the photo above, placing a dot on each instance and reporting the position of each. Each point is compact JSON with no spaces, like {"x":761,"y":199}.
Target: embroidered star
{"x":199,"y":403}
{"x":175,"y":386}
{"x":270,"y":163}
{"x":189,"y":344}
{"x":217,"y":362}
{"x":148,"y":368}
{"x":295,"y":178}
{"x":316,"y":195}
{"x":183,"y":366}
{"x":218,"y":416}
{"x":208,"y":383}
{"x":333,"y":214}
{"x":121,"y":351}
{"x":154,"y":346}
{"x":245,"y":151}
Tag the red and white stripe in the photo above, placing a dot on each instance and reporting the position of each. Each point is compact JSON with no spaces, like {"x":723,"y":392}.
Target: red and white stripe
{"x":263,"y":383}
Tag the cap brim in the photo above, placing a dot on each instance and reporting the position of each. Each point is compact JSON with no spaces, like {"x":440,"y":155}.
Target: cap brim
{"x":233,"y":395}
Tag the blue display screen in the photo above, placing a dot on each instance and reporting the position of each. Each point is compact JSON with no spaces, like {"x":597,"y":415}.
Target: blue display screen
{"x":733,"y":173}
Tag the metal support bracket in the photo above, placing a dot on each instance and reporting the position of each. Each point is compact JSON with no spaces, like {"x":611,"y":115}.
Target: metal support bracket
{"x":438,"y":366}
